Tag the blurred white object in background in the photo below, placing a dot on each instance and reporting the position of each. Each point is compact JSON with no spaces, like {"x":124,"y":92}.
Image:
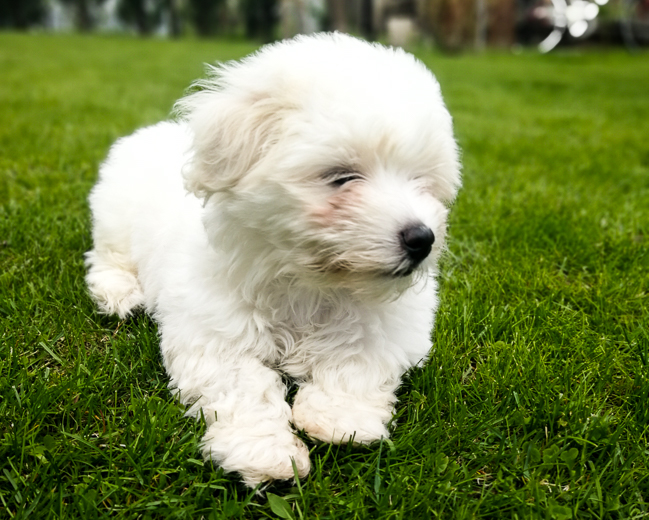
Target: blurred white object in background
{"x":402,"y":30}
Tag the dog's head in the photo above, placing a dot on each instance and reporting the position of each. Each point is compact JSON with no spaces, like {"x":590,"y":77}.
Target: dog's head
{"x":336,"y":154}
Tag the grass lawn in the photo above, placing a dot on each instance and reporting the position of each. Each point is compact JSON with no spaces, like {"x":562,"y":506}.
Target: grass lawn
{"x":534,"y":403}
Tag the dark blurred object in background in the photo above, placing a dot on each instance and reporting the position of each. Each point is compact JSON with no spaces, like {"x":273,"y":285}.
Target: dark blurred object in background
{"x":207,"y":16}
{"x":635,"y":23}
{"x":461,"y":24}
{"x":451,"y":25}
{"x":141,"y":14}
{"x":260,"y":18}
{"x":21,"y":14}
{"x":83,"y":12}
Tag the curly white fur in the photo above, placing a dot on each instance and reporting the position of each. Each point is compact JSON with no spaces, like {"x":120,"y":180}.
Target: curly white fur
{"x":278,"y":250}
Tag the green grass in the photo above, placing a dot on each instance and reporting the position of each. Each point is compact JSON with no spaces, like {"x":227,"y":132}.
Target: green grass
{"x":535,"y":401}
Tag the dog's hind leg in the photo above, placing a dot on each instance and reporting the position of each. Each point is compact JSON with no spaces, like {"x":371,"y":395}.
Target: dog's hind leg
{"x":112,"y":282}
{"x":112,"y":272}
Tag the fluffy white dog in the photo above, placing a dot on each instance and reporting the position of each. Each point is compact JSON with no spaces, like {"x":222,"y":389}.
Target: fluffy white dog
{"x":289,"y":222}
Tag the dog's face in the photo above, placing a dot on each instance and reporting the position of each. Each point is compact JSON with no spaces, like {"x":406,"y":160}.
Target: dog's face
{"x":338,"y":153}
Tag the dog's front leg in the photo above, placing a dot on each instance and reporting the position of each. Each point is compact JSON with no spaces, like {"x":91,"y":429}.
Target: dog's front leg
{"x":243,"y":402}
{"x":352,"y":404}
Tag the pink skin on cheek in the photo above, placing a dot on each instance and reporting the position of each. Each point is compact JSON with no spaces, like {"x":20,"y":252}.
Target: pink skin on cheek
{"x":322,"y":215}
{"x":335,"y":208}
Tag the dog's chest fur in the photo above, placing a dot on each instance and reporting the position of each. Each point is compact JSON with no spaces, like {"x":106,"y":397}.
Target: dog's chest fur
{"x":310,"y":325}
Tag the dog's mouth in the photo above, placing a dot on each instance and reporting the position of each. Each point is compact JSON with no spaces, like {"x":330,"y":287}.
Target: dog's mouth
{"x":405,"y":268}
{"x":335,"y":265}
{"x":402,"y":272}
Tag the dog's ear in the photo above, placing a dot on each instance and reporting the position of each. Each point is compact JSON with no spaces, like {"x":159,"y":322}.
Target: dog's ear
{"x":233,"y":128}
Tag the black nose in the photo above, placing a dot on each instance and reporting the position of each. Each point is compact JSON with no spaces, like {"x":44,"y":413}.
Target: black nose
{"x":417,"y":242}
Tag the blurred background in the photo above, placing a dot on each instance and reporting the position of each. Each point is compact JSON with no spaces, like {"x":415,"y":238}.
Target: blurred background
{"x":450,"y":25}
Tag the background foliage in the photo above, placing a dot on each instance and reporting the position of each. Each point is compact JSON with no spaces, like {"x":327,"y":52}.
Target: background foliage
{"x":534,"y":401}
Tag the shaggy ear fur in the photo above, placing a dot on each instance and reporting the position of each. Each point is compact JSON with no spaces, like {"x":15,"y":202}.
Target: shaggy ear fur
{"x":233,"y":128}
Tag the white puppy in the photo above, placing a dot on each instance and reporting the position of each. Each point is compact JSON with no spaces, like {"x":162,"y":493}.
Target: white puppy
{"x":289,"y":223}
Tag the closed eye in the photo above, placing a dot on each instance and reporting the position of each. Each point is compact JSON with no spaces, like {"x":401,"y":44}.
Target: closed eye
{"x":339,"y":181}
{"x":339,"y":176}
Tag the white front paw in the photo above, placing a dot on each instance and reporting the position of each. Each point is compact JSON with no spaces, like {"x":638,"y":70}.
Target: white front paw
{"x":257,"y":454}
{"x":340,"y":418}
